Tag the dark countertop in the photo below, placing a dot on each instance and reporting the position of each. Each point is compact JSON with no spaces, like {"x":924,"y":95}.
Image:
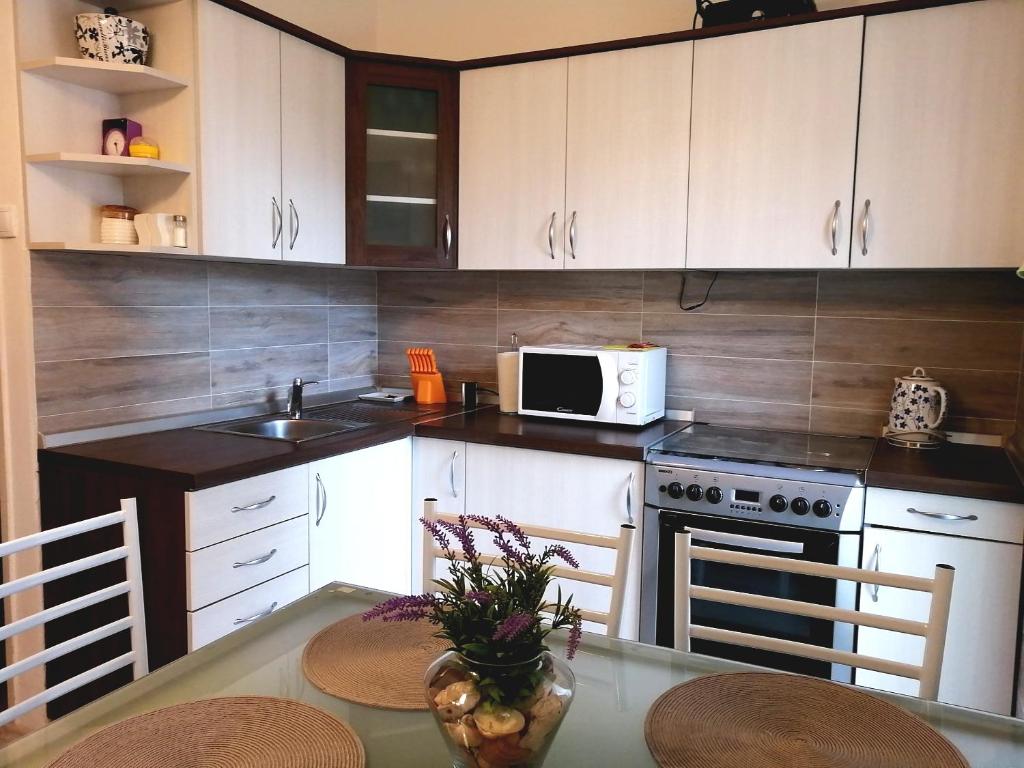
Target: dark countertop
{"x":195,"y":459}
{"x":973,"y":471}
{"x":491,"y":427}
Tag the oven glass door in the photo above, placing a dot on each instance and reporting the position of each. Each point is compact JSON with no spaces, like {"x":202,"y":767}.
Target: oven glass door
{"x":756,"y":538}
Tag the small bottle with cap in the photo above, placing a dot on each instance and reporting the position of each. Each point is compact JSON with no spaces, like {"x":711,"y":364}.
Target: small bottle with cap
{"x":179,"y":234}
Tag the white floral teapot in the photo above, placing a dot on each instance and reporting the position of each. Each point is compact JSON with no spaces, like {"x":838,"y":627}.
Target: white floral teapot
{"x":918,"y":407}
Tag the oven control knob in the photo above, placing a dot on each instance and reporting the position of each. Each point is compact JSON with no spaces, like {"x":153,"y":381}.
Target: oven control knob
{"x":714,"y":494}
{"x":800,"y":506}
{"x":694,"y":492}
{"x":628,"y":377}
{"x":778,"y":503}
{"x":822,"y":508}
{"x":627,"y":399}
{"x":675,"y":490}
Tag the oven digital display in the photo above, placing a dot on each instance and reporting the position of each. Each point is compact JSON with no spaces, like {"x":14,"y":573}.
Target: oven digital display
{"x":751,"y":497}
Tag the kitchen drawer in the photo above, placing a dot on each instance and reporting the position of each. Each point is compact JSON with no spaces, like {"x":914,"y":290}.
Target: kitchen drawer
{"x":223,"y":618}
{"x":997,"y":520}
{"x":231,"y":566}
{"x":226,"y":511}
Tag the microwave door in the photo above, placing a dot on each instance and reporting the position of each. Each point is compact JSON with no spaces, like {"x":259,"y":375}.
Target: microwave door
{"x":564,"y":384}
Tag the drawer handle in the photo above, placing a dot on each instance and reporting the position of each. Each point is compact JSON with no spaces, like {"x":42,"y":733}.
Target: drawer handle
{"x":941,"y":515}
{"x":257,"y":505}
{"x":256,"y":560}
{"x":255,"y":616}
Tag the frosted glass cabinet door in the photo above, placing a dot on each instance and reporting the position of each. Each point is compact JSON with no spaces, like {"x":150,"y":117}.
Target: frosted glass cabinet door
{"x":313,"y":152}
{"x":240,"y":130}
{"x":626,"y":166}
{"x":512,"y":166}
{"x":772,"y":149}
{"x":941,"y":132}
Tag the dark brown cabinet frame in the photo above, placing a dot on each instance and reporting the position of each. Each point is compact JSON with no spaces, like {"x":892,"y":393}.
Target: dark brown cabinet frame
{"x":359,"y":75}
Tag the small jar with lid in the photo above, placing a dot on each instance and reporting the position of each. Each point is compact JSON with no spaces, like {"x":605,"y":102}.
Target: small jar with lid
{"x":117,"y":225}
{"x":179,"y":232}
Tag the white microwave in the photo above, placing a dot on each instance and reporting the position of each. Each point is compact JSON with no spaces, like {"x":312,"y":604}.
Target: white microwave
{"x":614,"y":385}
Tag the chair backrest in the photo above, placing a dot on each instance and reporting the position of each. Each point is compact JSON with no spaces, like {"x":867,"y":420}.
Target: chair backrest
{"x":940,"y":586}
{"x":132,"y":586}
{"x":621,"y":544}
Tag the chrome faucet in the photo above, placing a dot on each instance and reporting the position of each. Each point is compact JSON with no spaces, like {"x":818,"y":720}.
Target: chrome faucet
{"x":295,"y":398}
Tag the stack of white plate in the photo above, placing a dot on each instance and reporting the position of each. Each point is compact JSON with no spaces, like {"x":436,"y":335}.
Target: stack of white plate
{"x":118,"y":232}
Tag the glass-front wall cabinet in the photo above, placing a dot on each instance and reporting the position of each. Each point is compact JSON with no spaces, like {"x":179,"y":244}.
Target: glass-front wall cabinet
{"x":403,"y":152}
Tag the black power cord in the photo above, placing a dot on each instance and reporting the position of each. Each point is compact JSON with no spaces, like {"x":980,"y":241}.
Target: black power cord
{"x":702,"y":302}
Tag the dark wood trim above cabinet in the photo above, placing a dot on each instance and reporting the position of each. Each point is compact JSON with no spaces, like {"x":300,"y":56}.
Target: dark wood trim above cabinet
{"x":360,"y":74}
{"x":872,"y":9}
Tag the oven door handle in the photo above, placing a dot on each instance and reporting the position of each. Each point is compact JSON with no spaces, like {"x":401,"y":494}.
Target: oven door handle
{"x":748,"y":542}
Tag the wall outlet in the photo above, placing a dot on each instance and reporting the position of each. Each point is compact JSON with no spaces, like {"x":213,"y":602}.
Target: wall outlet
{"x":8,"y":219}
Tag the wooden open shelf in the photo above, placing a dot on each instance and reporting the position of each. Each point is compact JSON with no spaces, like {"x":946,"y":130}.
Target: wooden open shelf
{"x":103,"y":76}
{"x":112,"y":248}
{"x":110,"y":165}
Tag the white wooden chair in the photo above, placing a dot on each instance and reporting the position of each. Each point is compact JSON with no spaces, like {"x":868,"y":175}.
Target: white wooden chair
{"x":131,"y":586}
{"x":933,"y":631}
{"x":622,"y":544}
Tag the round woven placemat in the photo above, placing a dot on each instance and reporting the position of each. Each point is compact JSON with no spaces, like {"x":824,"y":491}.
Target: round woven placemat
{"x":237,"y":732}
{"x":376,"y":663}
{"x":766,"y":720}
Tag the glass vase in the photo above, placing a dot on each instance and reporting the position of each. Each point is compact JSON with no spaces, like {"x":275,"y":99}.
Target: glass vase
{"x":499,"y":715}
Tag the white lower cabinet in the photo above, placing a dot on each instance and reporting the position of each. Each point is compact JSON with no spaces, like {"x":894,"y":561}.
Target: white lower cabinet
{"x":438,"y":472}
{"x":558,"y":490}
{"x":223,"y":618}
{"x":360,"y":531}
{"x":978,"y":666}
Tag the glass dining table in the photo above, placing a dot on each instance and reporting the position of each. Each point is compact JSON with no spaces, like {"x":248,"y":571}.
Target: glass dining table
{"x":617,"y":681}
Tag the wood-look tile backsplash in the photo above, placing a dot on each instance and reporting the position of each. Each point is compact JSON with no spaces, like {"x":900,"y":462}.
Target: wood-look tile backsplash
{"x":123,"y":338}
{"x":786,"y":350}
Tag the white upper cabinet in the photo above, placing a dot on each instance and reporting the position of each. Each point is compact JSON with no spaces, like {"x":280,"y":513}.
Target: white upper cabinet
{"x":627,"y":158}
{"x":272,"y":142}
{"x":240,"y":134}
{"x":773,"y":145}
{"x":941,"y":131}
{"x":312,"y":152}
{"x":512,"y":166}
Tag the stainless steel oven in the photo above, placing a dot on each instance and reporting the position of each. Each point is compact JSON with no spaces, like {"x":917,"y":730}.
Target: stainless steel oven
{"x":791,"y":495}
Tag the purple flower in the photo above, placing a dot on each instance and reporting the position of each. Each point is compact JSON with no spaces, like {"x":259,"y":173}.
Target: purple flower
{"x":513,"y":626}
{"x":575,"y":636}
{"x":479,"y":596}
{"x":560,"y":551}
{"x":517,"y":533}
{"x":436,"y":532}
{"x":500,"y":541}
{"x":402,"y":608}
{"x":465,"y":536}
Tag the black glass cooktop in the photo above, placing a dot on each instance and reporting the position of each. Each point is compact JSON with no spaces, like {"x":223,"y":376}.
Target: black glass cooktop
{"x":791,"y":449}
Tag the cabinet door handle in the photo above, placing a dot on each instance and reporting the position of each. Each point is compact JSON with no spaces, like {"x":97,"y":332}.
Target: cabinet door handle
{"x":276,"y":221}
{"x":941,"y":515}
{"x":572,"y":235}
{"x":865,"y":228}
{"x":876,"y":556}
{"x":255,"y":616}
{"x":835,"y":229}
{"x":293,"y":223}
{"x":551,"y":235}
{"x":256,"y":560}
{"x":256,"y":505}
{"x":321,"y":500}
{"x":447,"y":237}
{"x":629,"y":497}
{"x":451,"y":475}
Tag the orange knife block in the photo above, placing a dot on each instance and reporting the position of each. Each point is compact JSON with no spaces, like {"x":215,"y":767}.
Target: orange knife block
{"x":427,"y":384}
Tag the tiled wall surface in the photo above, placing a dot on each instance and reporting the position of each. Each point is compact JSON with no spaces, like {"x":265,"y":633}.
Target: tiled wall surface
{"x":788,"y":350}
{"x":122,"y":338}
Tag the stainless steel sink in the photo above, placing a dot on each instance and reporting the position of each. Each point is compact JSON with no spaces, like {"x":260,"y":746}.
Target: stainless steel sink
{"x":288,"y":430}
